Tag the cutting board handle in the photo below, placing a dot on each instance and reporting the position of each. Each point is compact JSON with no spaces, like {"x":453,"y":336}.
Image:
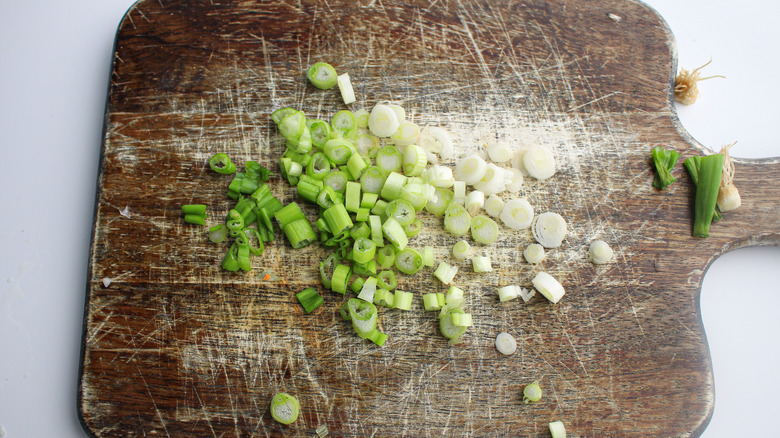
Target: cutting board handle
{"x":757,"y":221}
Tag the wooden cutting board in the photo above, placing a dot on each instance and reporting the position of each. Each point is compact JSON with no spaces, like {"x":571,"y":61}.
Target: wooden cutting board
{"x":175,"y":346}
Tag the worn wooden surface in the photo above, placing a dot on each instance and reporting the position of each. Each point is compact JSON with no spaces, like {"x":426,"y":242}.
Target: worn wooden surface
{"x":177,"y":347}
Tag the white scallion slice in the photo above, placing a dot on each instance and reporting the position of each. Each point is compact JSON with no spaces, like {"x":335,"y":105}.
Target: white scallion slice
{"x":493,"y":205}
{"x":459,"y":192}
{"x":475,"y":200}
{"x":517,"y":214}
{"x":407,"y":133}
{"x":461,"y":250}
{"x":499,"y":152}
{"x":365,"y":143}
{"x":445,"y":272}
{"x":513,"y":179}
{"x":400,"y":112}
{"x":457,"y":221}
{"x":454,"y":297}
{"x":548,"y":286}
{"x":507,"y":293}
{"x":415,"y":160}
{"x":599,"y":252}
{"x":361,"y":116}
{"x":470,"y":169}
{"x":517,"y":161}
{"x":527,"y":294}
{"x":383,"y":121}
{"x":484,"y":230}
{"x":557,"y":429}
{"x":493,"y":181}
{"x":534,"y":253}
{"x":437,"y":140}
{"x":549,"y":229}
{"x":506,"y":343}
{"x":345,"y":86}
{"x":368,"y":290}
{"x":439,"y":176}
{"x":539,"y":162}
{"x":481,"y":264}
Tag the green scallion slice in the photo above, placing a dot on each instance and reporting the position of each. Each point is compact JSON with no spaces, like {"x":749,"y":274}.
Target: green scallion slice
{"x":322,"y":75}
{"x":310,"y":299}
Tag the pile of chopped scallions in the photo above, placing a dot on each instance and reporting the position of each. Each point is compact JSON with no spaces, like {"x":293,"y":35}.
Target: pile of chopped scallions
{"x":371,"y":174}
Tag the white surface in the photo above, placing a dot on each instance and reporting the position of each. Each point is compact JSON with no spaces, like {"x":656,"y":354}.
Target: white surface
{"x":53,"y":81}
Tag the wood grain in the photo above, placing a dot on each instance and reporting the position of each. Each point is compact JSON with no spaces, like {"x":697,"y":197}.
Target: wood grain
{"x":174,"y":346}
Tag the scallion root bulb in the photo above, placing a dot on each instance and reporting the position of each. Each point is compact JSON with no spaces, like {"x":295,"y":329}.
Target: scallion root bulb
{"x":686,"y":90}
{"x":728,"y":195}
{"x":599,"y":252}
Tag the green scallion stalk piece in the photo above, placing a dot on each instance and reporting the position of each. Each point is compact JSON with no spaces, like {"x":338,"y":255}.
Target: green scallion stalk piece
{"x":392,"y":186}
{"x":299,"y":233}
{"x":344,"y":124}
{"x":279,"y":114}
{"x":321,"y":431}
{"x":194,"y":209}
{"x":385,"y":257}
{"x":338,"y":219}
{"x":557,"y":429}
{"x":285,"y":408}
{"x":428,"y":256}
{"x":361,"y":230}
{"x":664,"y":161}
{"x":441,"y":199}
{"x":292,"y":125}
{"x":403,"y":300}
{"x":484,"y":230}
{"x":368,"y":268}
{"x":363,"y":316}
{"x":413,"y":228}
{"x":218,"y":233}
{"x":431,"y":301}
{"x":243,"y":257}
{"x":363,"y":250}
{"x":461,"y":250}
{"x":481,"y":264}
{"x":368,"y":290}
{"x":289,"y":213}
{"x":340,"y":279}
{"x":256,"y":171}
{"x":368,"y":200}
{"x":384,"y":298}
{"x":308,"y":191}
{"x":352,"y":196}
{"x":448,"y":328}
{"x":415,"y":160}
{"x":457,"y":221}
{"x":372,"y":180}
{"x":395,"y":233}
{"x":337,"y":180}
{"x":328,"y":197}
{"x":692,"y":165}
{"x":445,"y":272}
{"x":195,"y":219}
{"x":357,"y":284}
{"x":230,"y":260}
{"x":320,"y":132}
{"x":709,"y":171}
{"x":454,"y":297}
{"x":322,"y":75}
{"x":532,"y":393}
{"x":243,"y":184}
{"x":400,"y":210}
{"x":327,"y":266}
{"x":377,"y":235}
{"x":389,"y":159}
{"x":386,"y":280}
{"x":409,"y":261}
{"x":235,"y":222}
{"x":258,"y":237}
{"x":377,"y":337}
{"x":221,"y":164}
{"x":319,"y":166}
{"x":310,"y":299}
{"x":338,"y":150}
{"x":380,"y":208}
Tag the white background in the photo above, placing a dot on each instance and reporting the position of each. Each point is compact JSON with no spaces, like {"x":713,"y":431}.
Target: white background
{"x":54,"y":67}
